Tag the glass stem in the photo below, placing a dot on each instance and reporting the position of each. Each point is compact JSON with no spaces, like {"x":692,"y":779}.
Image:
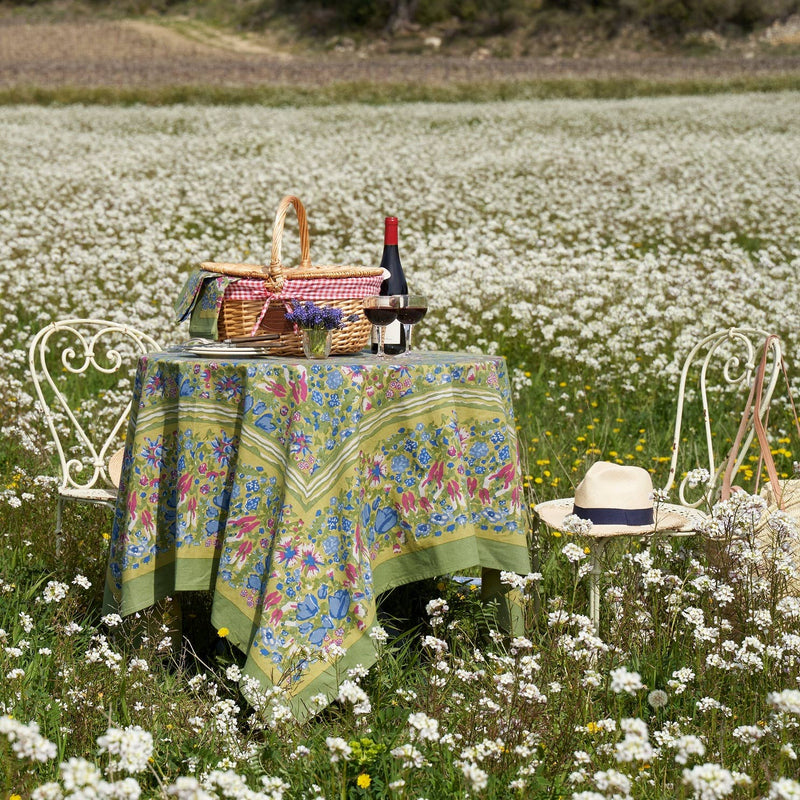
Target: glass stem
{"x":408,"y":336}
{"x":381,"y":354}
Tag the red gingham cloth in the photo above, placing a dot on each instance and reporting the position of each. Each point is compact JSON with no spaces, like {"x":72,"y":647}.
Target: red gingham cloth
{"x":316,"y":289}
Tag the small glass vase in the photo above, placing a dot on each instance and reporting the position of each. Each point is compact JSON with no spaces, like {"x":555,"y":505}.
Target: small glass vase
{"x":316,"y":342}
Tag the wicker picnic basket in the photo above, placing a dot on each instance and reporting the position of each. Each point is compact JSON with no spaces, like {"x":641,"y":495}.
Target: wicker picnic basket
{"x":255,"y":303}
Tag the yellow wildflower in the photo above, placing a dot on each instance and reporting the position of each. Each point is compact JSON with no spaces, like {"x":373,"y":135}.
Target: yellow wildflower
{"x":363,"y":780}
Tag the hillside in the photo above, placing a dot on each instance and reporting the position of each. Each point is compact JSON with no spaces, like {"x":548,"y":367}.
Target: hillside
{"x":154,"y":53}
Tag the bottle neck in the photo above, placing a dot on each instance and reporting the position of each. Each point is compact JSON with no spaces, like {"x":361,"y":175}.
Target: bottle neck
{"x":390,"y":232}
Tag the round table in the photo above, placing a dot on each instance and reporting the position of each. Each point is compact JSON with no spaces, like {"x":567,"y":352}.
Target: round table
{"x":299,"y":490}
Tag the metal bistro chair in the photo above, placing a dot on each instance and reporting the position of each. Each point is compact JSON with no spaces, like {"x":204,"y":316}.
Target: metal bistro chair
{"x":90,"y":350}
{"x":736,"y":352}
{"x":731,"y":357}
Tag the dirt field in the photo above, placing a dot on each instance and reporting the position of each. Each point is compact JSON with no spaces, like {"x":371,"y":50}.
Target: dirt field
{"x":137,"y":54}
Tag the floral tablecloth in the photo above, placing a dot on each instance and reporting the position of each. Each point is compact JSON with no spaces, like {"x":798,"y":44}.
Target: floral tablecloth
{"x":298,"y":490}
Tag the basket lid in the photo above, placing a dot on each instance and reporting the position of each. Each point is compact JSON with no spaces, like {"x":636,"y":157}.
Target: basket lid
{"x":291,"y":273}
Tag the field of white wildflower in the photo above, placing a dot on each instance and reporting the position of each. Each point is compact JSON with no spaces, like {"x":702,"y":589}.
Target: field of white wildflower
{"x":591,"y":243}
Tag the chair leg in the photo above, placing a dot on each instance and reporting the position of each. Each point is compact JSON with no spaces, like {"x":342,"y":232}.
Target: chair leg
{"x":59,"y":515}
{"x":597,"y":547}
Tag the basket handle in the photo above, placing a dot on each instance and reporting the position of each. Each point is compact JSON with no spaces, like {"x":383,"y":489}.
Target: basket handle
{"x":275,"y":266}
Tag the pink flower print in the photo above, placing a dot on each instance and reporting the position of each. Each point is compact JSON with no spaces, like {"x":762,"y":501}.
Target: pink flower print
{"x":505,"y":474}
{"x":307,"y":464}
{"x":154,"y":385}
{"x":278,"y":389}
{"x":222,"y":447}
{"x":192,"y":506}
{"x":229,"y":386}
{"x":356,"y":374}
{"x":472,"y":485}
{"x":132,"y":499}
{"x":299,"y":388}
{"x":409,"y":502}
{"x":515,"y":494}
{"x":153,"y":452}
{"x":485,"y":496}
{"x":454,"y":490}
{"x":351,"y":575}
{"x":184,"y":484}
{"x":435,"y":475}
{"x":288,"y":551}
{"x":245,"y":524}
{"x":272,"y":599}
{"x":492,"y":379}
{"x":425,"y":504}
{"x":299,"y":443}
{"x":310,"y":560}
{"x":378,"y":471}
{"x":147,"y":520}
{"x":245,"y":548}
{"x":276,"y":616}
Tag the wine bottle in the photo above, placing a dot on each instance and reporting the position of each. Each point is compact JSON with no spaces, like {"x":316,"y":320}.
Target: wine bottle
{"x":394,"y":335}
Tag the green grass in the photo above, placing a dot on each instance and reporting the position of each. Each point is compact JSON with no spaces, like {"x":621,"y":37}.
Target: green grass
{"x":378,"y":94}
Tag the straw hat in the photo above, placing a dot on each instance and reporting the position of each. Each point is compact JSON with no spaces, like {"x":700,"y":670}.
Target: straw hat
{"x":115,"y":466}
{"x":618,"y":500}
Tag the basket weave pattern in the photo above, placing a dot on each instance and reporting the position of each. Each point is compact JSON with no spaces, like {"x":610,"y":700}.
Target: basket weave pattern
{"x":257,"y":302}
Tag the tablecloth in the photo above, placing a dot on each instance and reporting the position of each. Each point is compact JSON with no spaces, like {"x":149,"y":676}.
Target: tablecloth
{"x":299,"y":490}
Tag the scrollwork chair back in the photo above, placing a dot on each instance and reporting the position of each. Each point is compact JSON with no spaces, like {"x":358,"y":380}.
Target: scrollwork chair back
{"x":83,"y":350}
{"x":720,"y":364}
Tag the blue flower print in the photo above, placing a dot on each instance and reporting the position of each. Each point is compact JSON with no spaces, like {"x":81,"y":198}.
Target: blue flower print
{"x":317,"y":636}
{"x":400,"y":464}
{"x":385,"y":519}
{"x":307,"y":607}
{"x":252,"y":503}
{"x":331,"y":545}
{"x":479,"y":450}
{"x":339,"y":603}
{"x":334,"y":379}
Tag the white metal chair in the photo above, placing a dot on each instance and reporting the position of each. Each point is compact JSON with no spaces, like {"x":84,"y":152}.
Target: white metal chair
{"x":86,"y":353}
{"x":736,"y":353}
{"x":730,"y":357}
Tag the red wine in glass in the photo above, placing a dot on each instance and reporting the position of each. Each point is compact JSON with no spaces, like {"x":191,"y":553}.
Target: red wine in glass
{"x":381,"y":310}
{"x":411,"y":315}
{"x":381,"y":316}
{"x":411,"y":309}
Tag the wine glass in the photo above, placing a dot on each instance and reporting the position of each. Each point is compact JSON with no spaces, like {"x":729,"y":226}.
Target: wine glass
{"x":412,"y":308}
{"x":381,"y":310}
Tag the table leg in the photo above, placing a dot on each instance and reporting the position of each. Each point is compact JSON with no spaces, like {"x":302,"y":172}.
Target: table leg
{"x":510,"y":611}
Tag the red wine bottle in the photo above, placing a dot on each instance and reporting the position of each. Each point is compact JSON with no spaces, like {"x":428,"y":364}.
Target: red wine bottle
{"x":394,"y":335}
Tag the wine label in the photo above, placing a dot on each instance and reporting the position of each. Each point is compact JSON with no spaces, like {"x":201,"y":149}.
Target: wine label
{"x":392,"y":333}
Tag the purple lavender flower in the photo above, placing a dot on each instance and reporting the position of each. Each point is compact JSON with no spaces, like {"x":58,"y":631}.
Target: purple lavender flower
{"x":307,"y":314}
